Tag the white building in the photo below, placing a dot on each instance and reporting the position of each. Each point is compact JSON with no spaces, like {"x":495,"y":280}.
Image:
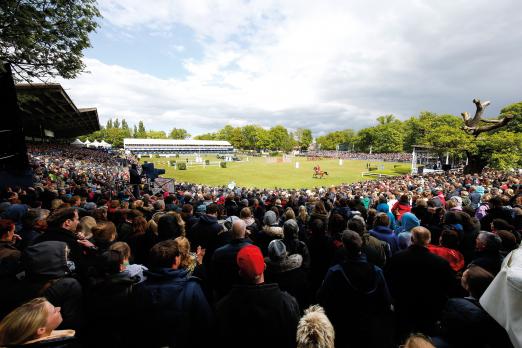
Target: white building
{"x":169,"y":146}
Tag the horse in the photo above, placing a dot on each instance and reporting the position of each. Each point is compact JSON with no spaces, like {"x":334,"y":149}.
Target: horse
{"x":319,"y":174}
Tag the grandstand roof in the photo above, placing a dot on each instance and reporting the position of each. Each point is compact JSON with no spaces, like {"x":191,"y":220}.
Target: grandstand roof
{"x":47,"y":106}
{"x":132,"y":141}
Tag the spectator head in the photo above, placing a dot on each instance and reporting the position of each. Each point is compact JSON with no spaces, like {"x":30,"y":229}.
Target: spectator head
{"x":476,"y":280}
{"x":501,"y":224}
{"x":87,"y":223}
{"x":245,"y":213}
{"x":111,"y":262}
{"x":32,"y":320}
{"x":418,"y":341}
{"x":66,"y":218}
{"x":187,"y":209}
{"x":165,"y":254}
{"x":170,"y":226}
{"x":277,"y":250}
{"x":290,"y":229}
{"x":352,"y":242}
{"x":251,"y":264}
{"x":357,"y":224}
{"x":186,"y":259}
{"x":449,"y":238}
{"x":239,"y":229}
{"x":56,"y":203}
{"x":7,"y":230}
{"x":509,"y":241}
{"x":159,"y":205}
{"x":317,"y":227}
{"x":495,"y":202}
{"x":123,"y":248}
{"x":488,"y":242}
{"x":104,"y":231}
{"x":270,"y":218}
{"x":382,"y":219}
{"x":212,"y":209}
{"x":289,"y":214}
{"x":420,"y":236}
{"x":315,"y":330}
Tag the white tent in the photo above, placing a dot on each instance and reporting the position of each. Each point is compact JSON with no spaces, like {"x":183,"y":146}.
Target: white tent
{"x":87,"y":143}
{"x":105,"y":144}
{"x":95,"y":143}
{"x":78,"y":143}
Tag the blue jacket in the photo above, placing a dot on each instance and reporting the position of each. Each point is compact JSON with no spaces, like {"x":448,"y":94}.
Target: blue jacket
{"x":385,"y":208}
{"x":386,"y":235}
{"x":172,"y":310}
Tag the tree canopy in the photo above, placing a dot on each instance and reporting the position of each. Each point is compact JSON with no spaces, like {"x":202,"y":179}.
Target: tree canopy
{"x":499,"y":148}
{"x":45,"y":38}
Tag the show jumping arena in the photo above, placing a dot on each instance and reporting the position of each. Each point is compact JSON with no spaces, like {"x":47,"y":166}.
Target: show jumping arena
{"x":272,"y":172}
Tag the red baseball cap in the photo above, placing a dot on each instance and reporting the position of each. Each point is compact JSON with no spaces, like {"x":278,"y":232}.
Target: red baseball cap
{"x":250,"y":261}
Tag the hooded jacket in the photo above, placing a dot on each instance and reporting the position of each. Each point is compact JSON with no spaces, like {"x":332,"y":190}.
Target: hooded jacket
{"x":408,"y":222}
{"x":355,"y":297}
{"x":47,"y":274}
{"x":205,"y":234}
{"x":172,"y":310}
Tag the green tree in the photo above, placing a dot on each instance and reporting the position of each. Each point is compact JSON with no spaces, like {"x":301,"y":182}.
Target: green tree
{"x":141,"y":133}
{"x":116,"y":123}
{"x":109,"y":124}
{"x":383,"y":138}
{"x":178,"y":133}
{"x":280,"y":139}
{"x":152,"y":134}
{"x":516,"y":123}
{"x":386,"y":119}
{"x":43,"y":39}
{"x":303,"y":137}
{"x":124,"y":124}
{"x":331,"y":140}
{"x":263,"y":139}
{"x":206,"y":136}
{"x":249,"y":136}
{"x":135,"y":132}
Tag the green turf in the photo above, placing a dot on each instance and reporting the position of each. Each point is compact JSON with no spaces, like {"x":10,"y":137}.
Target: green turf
{"x":258,"y":172}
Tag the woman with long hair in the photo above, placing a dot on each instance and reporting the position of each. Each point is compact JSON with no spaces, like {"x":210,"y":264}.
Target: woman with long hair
{"x":34,"y":323}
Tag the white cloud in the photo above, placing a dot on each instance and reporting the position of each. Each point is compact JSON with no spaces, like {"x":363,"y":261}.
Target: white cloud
{"x":325,"y":65}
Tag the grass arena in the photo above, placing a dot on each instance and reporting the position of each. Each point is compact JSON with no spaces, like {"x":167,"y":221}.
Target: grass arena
{"x":272,"y":172}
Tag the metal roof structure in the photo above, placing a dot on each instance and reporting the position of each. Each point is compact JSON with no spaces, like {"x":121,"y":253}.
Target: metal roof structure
{"x":132,"y":141}
{"x":48,"y":110}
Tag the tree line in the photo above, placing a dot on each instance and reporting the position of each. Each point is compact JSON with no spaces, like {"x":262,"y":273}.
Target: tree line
{"x":499,"y":148}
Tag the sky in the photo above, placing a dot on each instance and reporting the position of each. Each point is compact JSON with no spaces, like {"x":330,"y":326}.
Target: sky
{"x":324,"y":65}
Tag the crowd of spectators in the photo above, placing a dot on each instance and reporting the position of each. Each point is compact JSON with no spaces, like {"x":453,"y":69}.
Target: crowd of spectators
{"x":84,"y":262}
{"x":390,"y":157}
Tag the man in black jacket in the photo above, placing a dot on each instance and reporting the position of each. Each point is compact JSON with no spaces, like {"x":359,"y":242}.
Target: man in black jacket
{"x":135,"y":180}
{"x":420,"y":283}
{"x":62,"y":227}
{"x":256,"y":314}
{"x":225,"y":271}
{"x":205,"y":233}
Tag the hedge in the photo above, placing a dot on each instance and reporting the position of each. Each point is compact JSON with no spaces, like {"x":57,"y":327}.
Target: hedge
{"x":182,"y":166}
{"x":223,"y":164}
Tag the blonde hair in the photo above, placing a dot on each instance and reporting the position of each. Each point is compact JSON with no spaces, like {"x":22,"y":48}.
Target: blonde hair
{"x":187,"y":260}
{"x":86,"y":225}
{"x":105,"y":230}
{"x":123,"y":248}
{"x":315,"y":330}
{"x":289,"y":214}
{"x":418,"y":341}
{"x":56,"y":203}
{"x":303,"y":214}
{"x":21,"y":324}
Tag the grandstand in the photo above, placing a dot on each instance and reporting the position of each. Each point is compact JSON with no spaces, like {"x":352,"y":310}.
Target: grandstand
{"x":172,"y":147}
